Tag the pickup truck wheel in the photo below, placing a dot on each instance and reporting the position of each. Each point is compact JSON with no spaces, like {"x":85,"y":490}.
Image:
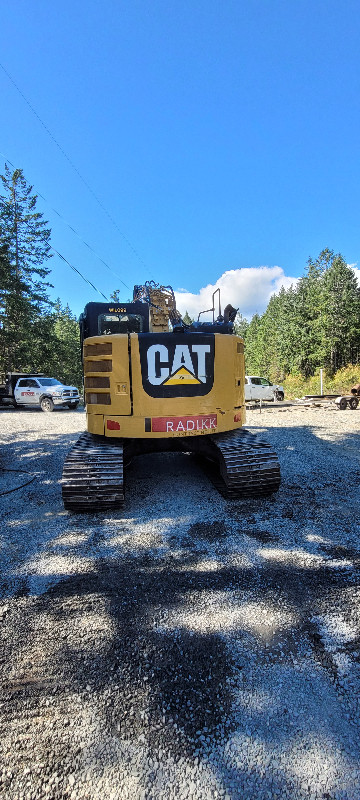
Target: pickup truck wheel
{"x":74,"y":404}
{"x":46,"y":404}
{"x":279,"y":396}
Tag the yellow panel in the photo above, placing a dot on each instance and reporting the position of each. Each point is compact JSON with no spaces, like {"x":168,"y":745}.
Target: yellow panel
{"x":225,"y":401}
{"x":95,"y":423}
{"x":239,"y":372}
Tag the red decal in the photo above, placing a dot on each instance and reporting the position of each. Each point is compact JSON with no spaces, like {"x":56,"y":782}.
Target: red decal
{"x":27,"y":394}
{"x":112,"y":425}
{"x":205,"y":422}
{"x":237,"y":418}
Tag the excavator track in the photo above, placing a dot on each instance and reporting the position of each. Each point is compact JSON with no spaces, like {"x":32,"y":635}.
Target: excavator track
{"x":93,"y":475}
{"x":248,"y":467}
{"x":237,"y":462}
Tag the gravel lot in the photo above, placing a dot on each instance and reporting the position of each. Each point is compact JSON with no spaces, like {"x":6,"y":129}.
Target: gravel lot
{"x":189,"y":646}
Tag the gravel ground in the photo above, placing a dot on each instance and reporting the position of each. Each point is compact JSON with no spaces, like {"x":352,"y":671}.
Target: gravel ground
{"x":189,"y":646}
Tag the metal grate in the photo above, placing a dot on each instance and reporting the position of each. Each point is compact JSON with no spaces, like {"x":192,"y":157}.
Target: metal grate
{"x":102,"y":399}
{"x":101,"y":349}
{"x":98,"y":366}
{"x":97,"y":383}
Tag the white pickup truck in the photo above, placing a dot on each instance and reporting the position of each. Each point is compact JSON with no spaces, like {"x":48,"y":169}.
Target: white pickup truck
{"x":261,"y":389}
{"x":22,"y":389}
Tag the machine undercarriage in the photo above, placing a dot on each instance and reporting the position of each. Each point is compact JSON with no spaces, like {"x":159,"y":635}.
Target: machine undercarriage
{"x":239,"y":464}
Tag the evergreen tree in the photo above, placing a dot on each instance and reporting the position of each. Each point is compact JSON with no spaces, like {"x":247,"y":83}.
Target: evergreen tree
{"x":309,"y":308}
{"x":25,"y":234}
{"x":241,"y":325}
{"x":187,"y":319}
{"x":67,"y":334}
{"x":15,"y":316}
{"x":341,"y":315}
{"x":288,"y":332}
{"x":56,"y":348}
{"x":310,"y":325}
{"x":25,"y":247}
{"x":252,"y":351}
{"x":7,"y":286}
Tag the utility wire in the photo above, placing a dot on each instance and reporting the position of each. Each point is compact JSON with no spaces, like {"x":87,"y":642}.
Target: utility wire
{"x":71,"y":265}
{"x":7,"y":160}
{"x":74,"y":168}
{"x":78,"y":272}
{"x":65,"y":259}
{"x":83,"y":241}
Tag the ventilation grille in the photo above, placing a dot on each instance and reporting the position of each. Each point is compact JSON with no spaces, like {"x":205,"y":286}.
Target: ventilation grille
{"x":98,"y":366}
{"x":97,"y":383}
{"x":101,"y":349}
{"x":102,"y":399}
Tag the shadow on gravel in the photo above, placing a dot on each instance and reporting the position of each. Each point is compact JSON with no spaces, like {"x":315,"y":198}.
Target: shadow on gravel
{"x":162,"y":677}
{"x":29,"y":511}
{"x":170,"y":687}
{"x":40,"y":455}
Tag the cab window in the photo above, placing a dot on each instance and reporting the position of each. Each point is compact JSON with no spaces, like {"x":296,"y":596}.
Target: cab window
{"x":119,"y":323}
{"x":29,"y":383}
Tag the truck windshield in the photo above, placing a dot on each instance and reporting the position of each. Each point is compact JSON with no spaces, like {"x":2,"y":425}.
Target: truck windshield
{"x":48,"y":382}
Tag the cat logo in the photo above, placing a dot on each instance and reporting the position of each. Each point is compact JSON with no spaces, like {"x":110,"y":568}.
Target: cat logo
{"x":176,"y":365}
{"x":182,"y":375}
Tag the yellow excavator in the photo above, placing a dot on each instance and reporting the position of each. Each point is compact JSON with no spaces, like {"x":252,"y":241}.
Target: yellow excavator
{"x":153,"y":383}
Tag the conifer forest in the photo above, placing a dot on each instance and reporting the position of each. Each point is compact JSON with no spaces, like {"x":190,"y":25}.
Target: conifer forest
{"x":313,"y":325}
{"x":36,"y":334}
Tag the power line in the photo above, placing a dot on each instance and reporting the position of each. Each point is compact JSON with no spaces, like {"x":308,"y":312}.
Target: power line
{"x":78,"y":272}
{"x":68,"y":262}
{"x":7,"y":160}
{"x":83,"y":241}
{"x":75,"y":168}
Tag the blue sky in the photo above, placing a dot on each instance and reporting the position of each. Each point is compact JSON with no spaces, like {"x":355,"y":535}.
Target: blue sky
{"x":221,"y":136}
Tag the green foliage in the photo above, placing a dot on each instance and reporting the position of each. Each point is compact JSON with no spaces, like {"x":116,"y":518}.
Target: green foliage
{"x":25,"y":235}
{"x":24,"y":246}
{"x":253,"y":354}
{"x":187,"y":319}
{"x":241,"y":325}
{"x":313,"y":324}
{"x":35,"y":334}
{"x":338,"y":383}
{"x":66,"y":330}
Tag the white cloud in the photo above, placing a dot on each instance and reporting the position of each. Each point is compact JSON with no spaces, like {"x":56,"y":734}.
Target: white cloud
{"x":356,"y":270}
{"x":248,"y":289}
